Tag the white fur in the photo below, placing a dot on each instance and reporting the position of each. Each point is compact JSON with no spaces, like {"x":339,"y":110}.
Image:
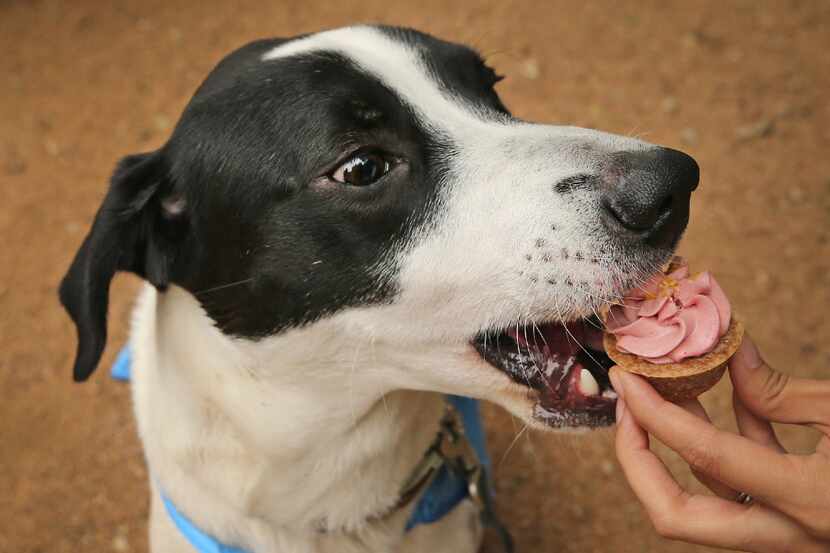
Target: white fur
{"x":265,"y":443}
{"x":265,"y":446}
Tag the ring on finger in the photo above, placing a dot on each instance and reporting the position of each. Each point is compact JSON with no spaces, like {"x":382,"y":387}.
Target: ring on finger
{"x":744,"y":498}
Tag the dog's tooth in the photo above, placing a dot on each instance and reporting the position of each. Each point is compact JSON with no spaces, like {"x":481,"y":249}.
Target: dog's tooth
{"x":609,"y":394}
{"x":587,"y":383}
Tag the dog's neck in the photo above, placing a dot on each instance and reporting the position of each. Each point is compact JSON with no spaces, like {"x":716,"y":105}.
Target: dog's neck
{"x":273,"y":443}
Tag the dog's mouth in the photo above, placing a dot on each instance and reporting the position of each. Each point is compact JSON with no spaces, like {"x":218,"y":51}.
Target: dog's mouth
{"x":564,"y":365}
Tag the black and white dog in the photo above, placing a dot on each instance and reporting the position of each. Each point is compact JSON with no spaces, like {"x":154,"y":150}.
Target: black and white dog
{"x":344,"y":227}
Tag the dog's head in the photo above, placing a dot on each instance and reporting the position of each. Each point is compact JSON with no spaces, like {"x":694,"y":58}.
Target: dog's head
{"x":367,"y":184}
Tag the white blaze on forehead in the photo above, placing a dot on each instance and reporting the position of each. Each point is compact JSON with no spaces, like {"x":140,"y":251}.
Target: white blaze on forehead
{"x":399,"y":66}
{"x":396,"y":64}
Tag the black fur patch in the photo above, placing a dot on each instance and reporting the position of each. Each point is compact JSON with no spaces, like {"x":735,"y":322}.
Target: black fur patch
{"x":260,"y":235}
{"x":301,"y":251}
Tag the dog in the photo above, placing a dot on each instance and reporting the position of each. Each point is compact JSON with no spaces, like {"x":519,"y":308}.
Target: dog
{"x":343,"y":228}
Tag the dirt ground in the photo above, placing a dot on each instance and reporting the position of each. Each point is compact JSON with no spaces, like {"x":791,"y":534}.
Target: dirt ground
{"x":740,"y":85}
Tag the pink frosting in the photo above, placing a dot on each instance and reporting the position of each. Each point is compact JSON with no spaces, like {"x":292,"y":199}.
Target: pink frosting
{"x":672,"y":317}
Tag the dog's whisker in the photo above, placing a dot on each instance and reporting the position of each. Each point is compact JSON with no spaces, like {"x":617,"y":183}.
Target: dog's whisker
{"x":533,"y":357}
{"x":592,"y":323}
{"x":223,"y":286}
{"x":578,"y":343}
{"x":512,"y":444}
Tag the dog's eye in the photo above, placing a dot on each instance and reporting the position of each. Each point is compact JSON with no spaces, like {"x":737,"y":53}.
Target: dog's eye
{"x":362,"y":169}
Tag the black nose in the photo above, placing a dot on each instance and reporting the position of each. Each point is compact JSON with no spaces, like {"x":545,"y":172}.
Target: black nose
{"x":646,"y":194}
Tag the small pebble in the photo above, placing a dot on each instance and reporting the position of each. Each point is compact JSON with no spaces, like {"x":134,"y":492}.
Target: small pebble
{"x":734,"y":55}
{"x":795,"y":193}
{"x":762,"y":279}
{"x":607,"y":467}
{"x":689,"y":136}
{"x":530,"y":69}
{"x":52,"y":147}
{"x":760,"y":129}
{"x":669,"y":104}
{"x":161,"y":122}
{"x":120,"y":543}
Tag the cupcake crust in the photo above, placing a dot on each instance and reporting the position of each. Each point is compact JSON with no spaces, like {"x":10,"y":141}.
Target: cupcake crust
{"x":686,"y":379}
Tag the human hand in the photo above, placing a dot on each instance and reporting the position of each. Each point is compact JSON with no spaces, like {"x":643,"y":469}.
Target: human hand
{"x":791,"y":507}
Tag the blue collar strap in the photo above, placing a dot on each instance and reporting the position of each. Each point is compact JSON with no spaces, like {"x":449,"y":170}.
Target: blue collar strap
{"x":200,"y":541}
{"x":454,"y":479}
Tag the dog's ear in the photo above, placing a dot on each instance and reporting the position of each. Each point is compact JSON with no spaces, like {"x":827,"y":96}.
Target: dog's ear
{"x":136,"y":229}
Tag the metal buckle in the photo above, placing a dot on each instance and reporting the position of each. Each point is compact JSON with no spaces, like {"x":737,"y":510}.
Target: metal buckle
{"x":463,"y":461}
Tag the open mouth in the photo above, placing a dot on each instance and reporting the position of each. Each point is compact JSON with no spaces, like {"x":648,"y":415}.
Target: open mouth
{"x":564,"y":364}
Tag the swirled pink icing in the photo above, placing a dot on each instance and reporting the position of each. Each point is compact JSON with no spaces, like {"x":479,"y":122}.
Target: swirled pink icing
{"x":671,"y":317}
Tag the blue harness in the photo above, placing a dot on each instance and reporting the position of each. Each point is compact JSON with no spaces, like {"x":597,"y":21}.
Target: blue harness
{"x":445,"y":491}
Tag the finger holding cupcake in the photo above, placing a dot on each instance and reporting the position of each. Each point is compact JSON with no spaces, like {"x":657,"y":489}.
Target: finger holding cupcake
{"x":672,"y":340}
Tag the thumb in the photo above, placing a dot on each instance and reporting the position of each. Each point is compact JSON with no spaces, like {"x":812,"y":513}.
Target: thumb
{"x":775,"y":396}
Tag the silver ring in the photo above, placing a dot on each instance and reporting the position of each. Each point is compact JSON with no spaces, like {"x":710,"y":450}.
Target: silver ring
{"x":744,"y":498}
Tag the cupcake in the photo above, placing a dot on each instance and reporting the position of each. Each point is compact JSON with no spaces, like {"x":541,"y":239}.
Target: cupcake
{"x":677,"y":330}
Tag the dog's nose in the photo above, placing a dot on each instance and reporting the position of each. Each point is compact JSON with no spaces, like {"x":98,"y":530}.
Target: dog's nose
{"x":646,"y":194}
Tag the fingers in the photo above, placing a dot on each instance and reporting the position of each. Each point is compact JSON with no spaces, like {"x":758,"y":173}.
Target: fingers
{"x":694,"y":407}
{"x":705,"y":520}
{"x":762,"y":393}
{"x":757,"y":430}
{"x":649,"y":478}
{"x":733,"y":460}
{"x":775,"y":396}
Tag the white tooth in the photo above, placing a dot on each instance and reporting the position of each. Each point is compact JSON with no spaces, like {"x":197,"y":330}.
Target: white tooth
{"x":551,"y":366}
{"x":587,"y":383}
{"x":609,"y":394}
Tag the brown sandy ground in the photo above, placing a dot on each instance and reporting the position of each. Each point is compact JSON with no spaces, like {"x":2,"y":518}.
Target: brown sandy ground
{"x":740,"y":85}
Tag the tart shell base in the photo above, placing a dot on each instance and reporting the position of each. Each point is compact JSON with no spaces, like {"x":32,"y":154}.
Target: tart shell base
{"x":689,"y":378}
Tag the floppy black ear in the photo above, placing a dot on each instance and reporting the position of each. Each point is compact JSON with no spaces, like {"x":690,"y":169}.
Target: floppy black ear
{"x":130,"y":233}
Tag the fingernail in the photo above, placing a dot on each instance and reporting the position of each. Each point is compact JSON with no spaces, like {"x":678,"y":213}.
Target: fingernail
{"x":620,"y":409}
{"x":616,"y":381}
{"x":747,"y":356}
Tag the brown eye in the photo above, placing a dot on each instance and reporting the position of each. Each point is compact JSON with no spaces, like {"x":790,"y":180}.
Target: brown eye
{"x":362,"y":169}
